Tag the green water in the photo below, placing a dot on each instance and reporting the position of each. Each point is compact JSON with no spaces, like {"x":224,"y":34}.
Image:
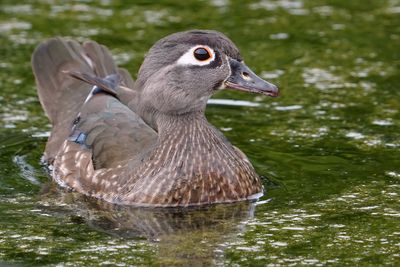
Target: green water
{"x":330,"y":144}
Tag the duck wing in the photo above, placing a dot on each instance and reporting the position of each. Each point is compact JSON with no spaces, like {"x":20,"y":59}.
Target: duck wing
{"x":113,"y":132}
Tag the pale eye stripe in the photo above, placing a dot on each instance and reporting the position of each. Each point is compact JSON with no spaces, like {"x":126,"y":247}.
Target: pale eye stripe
{"x":189,"y":59}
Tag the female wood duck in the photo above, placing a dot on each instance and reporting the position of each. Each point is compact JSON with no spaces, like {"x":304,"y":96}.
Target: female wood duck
{"x":145,"y":143}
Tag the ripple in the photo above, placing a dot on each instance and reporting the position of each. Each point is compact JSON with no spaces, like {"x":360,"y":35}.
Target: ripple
{"x":393,"y":174}
{"x":85,"y":31}
{"x":155,"y":17}
{"x":292,"y":228}
{"x":321,"y":79}
{"x":9,"y":119}
{"x":355,"y":135}
{"x":123,"y":58}
{"x":33,"y":238}
{"x":219,"y":3}
{"x":338,"y":26}
{"x":293,"y":6}
{"x":279,"y":244}
{"x":41,"y":134}
{"x":15,"y":25}
{"x":279,"y":36}
{"x":81,"y":8}
{"x":323,"y":10}
{"x":26,"y":170}
{"x":393,"y":10}
{"x":18,"y":9}
{"x":230,"y":102}
{"x":383,"y":122}
{"x":288,"y":108}
{"x":272,"y":74}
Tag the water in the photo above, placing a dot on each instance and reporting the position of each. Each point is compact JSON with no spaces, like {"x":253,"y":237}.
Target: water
{"x":330,"y":145}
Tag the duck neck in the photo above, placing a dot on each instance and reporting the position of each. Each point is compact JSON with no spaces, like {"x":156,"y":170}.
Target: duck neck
{"x":187,"y":129}
{"x":170,"y":125}
{"x":190,"y":135}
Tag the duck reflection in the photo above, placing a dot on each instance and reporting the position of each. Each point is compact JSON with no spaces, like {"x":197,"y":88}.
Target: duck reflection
{"x":151,"y":223}
{"x":184,"y":236}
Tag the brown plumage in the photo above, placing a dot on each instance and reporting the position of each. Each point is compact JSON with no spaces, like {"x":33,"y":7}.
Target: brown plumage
{"x":147,"y":142}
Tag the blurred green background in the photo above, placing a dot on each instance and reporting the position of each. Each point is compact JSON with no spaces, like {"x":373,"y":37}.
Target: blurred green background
{"x":329,"y":144}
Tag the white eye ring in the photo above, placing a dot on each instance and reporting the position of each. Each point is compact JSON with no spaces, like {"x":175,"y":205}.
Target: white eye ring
{"x":189,"y":59}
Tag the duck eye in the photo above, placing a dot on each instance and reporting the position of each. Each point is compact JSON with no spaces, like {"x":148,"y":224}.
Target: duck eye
{"x":201,"y":54}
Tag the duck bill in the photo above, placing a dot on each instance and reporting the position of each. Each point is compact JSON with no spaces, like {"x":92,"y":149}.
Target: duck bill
{"x":244,"y":79}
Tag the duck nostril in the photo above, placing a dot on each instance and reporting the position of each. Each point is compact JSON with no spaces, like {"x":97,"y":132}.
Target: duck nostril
{"x":246,"y":76}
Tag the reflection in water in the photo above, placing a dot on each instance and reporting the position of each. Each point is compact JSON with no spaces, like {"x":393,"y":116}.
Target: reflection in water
{"x":183,"y":235}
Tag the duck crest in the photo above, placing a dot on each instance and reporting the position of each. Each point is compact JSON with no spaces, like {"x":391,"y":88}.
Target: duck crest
{"x":145,"y":143}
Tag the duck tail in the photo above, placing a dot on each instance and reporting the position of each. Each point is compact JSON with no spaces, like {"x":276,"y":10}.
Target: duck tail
{"x":62,"y":95}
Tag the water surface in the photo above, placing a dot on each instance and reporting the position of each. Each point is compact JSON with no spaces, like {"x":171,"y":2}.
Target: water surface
{"x":330,"y":145}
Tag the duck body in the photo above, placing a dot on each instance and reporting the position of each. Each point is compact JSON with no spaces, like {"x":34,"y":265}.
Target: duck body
{"x":144,"y":143}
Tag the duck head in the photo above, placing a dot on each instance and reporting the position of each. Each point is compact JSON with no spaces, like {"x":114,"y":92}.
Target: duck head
{"x":181,"y":71}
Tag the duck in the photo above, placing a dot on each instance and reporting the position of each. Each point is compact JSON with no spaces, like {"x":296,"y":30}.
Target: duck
{"x":145,"y":142}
